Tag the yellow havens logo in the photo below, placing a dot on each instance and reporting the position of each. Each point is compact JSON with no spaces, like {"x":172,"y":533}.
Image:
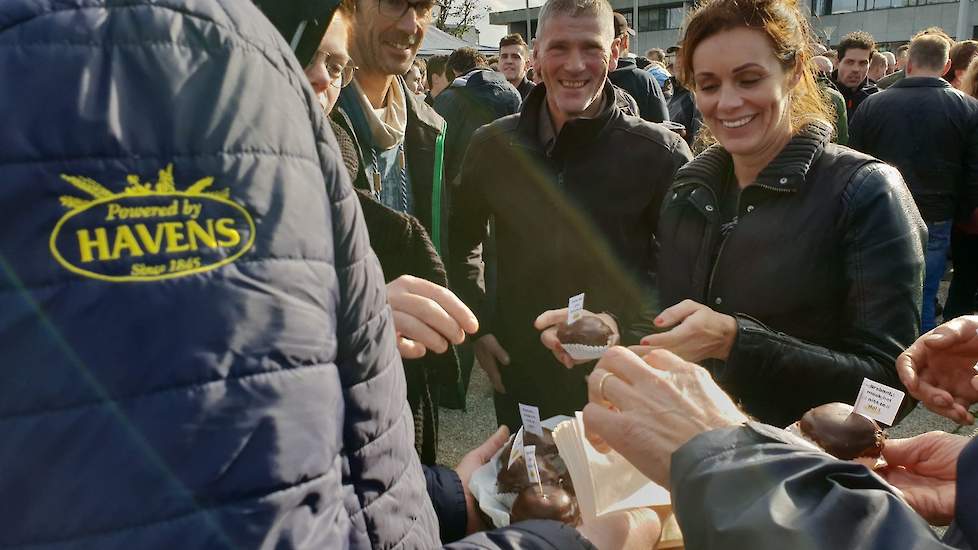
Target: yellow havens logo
{"x":149,"y":232}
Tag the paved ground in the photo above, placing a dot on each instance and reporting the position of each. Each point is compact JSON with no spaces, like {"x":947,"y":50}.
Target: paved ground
{"x":465,"y":430}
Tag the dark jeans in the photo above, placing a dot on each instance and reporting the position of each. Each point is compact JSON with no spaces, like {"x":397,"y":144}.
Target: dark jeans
{"x":935,"y":259}
{"x":964,"y":286}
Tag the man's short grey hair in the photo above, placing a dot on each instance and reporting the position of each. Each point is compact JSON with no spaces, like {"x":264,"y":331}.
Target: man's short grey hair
{"x":599,"y":9}
{"x":890,"y":58}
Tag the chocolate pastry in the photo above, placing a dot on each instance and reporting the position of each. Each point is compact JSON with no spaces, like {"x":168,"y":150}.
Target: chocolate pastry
{"x":552,"y":503}
{"x":514,"y":479}
{"x":842,"y":433}
{"x":545,"y":443}
{"x":589,"y":330}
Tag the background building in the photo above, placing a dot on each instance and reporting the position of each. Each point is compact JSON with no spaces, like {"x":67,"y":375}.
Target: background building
{"x":891,"y":22}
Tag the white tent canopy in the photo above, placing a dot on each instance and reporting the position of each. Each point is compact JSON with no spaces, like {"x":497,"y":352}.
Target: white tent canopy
{"x":439,"y":42}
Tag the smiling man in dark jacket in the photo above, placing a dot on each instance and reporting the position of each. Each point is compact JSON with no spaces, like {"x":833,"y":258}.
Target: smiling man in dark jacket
{"x":929,"y":131}
{"x":575,"y":206}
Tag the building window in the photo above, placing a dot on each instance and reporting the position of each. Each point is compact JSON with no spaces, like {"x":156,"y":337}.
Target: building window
{"x":824,"y":7}
{"x":519,"y":27}
{"x":660,"y":18}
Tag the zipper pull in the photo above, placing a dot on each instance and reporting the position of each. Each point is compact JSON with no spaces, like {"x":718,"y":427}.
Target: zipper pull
{"x":378,"y":185}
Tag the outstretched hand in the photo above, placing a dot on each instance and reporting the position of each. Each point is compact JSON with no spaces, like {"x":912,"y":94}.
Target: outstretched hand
{"x":471,"y":462}
{"x":939,"y":368}
{"x":924,"y":468}
{"x":696,"y":332}
{"x":427,"y":316}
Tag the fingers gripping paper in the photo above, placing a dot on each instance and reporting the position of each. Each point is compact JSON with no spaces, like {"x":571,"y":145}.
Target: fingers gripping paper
{"x":603,"y":482}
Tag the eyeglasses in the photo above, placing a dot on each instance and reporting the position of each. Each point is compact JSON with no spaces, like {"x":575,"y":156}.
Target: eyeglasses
{"x":395,"y":9}
{"x":340,"y":75}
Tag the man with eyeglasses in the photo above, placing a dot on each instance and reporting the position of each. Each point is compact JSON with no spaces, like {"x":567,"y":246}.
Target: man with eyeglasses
{"x":400,"y":139}
{"x":429,"y":319}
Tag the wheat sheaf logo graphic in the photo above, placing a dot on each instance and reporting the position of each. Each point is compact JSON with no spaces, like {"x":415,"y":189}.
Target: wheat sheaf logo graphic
{"x":164,"y":185}
{"x":149,"y":231}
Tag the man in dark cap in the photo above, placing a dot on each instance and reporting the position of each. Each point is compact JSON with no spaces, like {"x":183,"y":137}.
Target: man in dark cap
{"x":638,"y":83}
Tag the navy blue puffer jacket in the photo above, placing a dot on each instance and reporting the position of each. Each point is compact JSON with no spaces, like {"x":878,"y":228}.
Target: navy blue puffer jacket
{"x":194,"y":346}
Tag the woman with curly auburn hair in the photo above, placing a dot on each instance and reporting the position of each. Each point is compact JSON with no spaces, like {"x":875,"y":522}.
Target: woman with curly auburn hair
{"x":791,"y":266}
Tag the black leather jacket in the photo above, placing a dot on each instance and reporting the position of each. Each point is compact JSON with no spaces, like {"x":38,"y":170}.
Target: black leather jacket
{"x":929,"y":131}
{"x":822,"y":272}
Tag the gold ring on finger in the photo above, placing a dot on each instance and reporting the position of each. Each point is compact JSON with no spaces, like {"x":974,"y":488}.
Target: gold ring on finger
{"x":604,"y":378}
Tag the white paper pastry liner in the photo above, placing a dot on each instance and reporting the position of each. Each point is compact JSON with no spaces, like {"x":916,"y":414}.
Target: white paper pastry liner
{"x":482,"y":484}
{"x":581,"y":352}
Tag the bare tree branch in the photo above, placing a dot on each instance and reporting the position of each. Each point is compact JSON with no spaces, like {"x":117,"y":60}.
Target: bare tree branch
{"x":456,"y":17}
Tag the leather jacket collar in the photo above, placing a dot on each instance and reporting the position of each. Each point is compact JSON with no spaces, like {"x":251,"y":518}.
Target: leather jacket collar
{"x":785,"y":173}
{"x":576,"y":133}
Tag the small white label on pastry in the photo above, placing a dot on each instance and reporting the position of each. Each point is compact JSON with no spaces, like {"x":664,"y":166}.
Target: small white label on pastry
{"x":878,"y":401}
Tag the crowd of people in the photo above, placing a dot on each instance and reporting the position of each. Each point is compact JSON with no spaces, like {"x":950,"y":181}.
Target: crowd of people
{"x":252,"y":351}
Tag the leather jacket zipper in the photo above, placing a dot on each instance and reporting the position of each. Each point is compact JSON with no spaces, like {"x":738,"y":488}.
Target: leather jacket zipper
{"x":726,"y":235}
{"x":769,"y":188}
{"x":713,"y":272}
{"x":723,"y":243}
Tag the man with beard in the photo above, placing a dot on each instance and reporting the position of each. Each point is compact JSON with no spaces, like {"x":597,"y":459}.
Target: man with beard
{"x":572,"y":215}
{"x":514,"y":60}
{"x":851,"y":78}
{"x":428,"y":319}
{"x":399,"y":138}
